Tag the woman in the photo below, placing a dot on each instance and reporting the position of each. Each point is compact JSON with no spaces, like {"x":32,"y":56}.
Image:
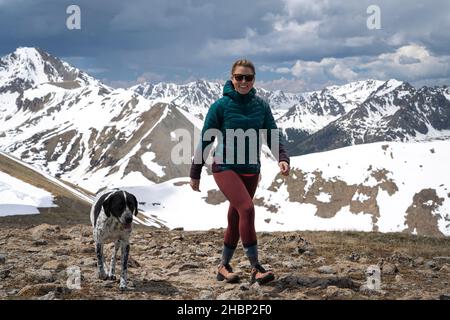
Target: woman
{"x":239,"y":108}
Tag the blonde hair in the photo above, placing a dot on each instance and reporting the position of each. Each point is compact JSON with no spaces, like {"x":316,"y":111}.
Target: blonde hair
{"x":243,"y":63}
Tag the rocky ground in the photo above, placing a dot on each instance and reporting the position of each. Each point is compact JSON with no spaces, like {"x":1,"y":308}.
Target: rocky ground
{"x":175,"y":264}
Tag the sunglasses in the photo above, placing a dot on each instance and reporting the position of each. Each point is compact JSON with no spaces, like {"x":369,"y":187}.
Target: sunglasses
{"x":240,"y":77}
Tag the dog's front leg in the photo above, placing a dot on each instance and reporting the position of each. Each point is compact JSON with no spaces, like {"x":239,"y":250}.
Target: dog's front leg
{"x":124,"y":261}
{"x":100,"y":266}
{"x":112,"y":267}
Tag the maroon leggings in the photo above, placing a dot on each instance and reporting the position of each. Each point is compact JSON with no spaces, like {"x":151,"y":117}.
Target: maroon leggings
{"x":239,"y":189}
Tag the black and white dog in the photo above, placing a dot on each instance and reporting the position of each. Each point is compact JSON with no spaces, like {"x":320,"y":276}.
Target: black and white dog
{"x":111,"y":217}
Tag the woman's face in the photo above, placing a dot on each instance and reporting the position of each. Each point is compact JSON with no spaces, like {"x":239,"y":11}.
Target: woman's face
{"x":243,"y":86}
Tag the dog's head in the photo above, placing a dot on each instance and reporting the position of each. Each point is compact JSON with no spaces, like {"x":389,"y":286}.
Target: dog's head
{"x":121,"y":205}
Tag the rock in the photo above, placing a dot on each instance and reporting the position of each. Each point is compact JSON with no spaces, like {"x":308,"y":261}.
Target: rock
{"x":54,"y":265}
{"x":89,"y":262}
{"x":319,"y":260}
{"x":173,"y":273}
{"x":132,"y":263}
{"x":64,"y":237}
{"x":178,"y":229}
{"x":167,"y":252}
{"x":4,"y":273}
{"x":229,"y":295}
{"x":206,"y":295}
{"x":354,"y":256}
{"x":155,"y":277}
{"x":187,"y":266}
{"x":400,"y":258}
{"x":308,"y":253}
{"x":293,"y":281}
{"x":304,"y":246}
{"x":86,"y":233}
{"x":431,"y":264}
{"x":49,"y":296}
{"x":178,"y":238}
{"x":89,"y":249}
{"x":327,"y":269}
{"x":12,"y":292}
{"x":256,"y":289}
{"x":169,"y":264}
{"x":244,"y":287}
{"x":419,"y":261}
{"x":229,"y":286}
{"x":2,"y":259}
{"x":442,"y":259}
{"x":213,"y":260}
{"x":300,"y":296}
{"x":43,"y":230}
{"x":40,"y":242}
{"x":363,"y":260}
{"x":293,"y":264}
{"x":444,"y":297}
{"x":334,"y":292}
{"x":61,"y":252}
{"x":38,"y":289}
{"x":370,"y":292}
{"x":200,"y":253}
{"x":445,"y":268}
{"x":389,"y":269}
{"x":42,"y":276}
{"x":398,"y":278}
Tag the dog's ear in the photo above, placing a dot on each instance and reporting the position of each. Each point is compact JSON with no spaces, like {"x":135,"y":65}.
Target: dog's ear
{"x":133,"y":198}
{"x":106,"y":206}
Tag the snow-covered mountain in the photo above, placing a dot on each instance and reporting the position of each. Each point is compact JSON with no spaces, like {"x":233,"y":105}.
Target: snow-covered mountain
{"x":87,"y":133}
{"x":352,"y":94}
{"x":299,"y":115}
{"x":196,"y":97}
{"x":396,"y":111}
{"x":28,"y":67}
{"x":317,"y":109}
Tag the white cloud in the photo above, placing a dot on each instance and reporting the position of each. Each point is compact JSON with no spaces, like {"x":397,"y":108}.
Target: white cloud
{"x":413,"y":63}
{"x":314,"y":9}
{"x":343,"y":72}
{"x":286,"y":85}
{"x":150,"y":77}
{"x":420,"y":64}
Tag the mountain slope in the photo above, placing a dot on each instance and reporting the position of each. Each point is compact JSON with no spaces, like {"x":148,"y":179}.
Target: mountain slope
{"x":86,"y":132}
{"x":319,"y":108}
{"x":90,"y":134}
{"x":386,"y":187}
{"x":28,"y":67}
{"x":63,"y":200}
{"x":396,"y":111}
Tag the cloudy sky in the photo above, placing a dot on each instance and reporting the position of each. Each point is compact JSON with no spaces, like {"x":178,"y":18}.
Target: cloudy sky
{"x":296,"y":45}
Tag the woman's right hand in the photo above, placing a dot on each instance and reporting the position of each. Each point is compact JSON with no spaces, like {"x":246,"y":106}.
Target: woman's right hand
{"x":195,"y":184}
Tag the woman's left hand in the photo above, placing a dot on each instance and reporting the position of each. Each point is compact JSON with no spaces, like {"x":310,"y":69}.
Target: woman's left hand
{"x":284,"y":168}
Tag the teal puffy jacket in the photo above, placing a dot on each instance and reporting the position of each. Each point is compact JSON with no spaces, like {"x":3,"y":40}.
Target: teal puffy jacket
{"x":237,"y":111}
